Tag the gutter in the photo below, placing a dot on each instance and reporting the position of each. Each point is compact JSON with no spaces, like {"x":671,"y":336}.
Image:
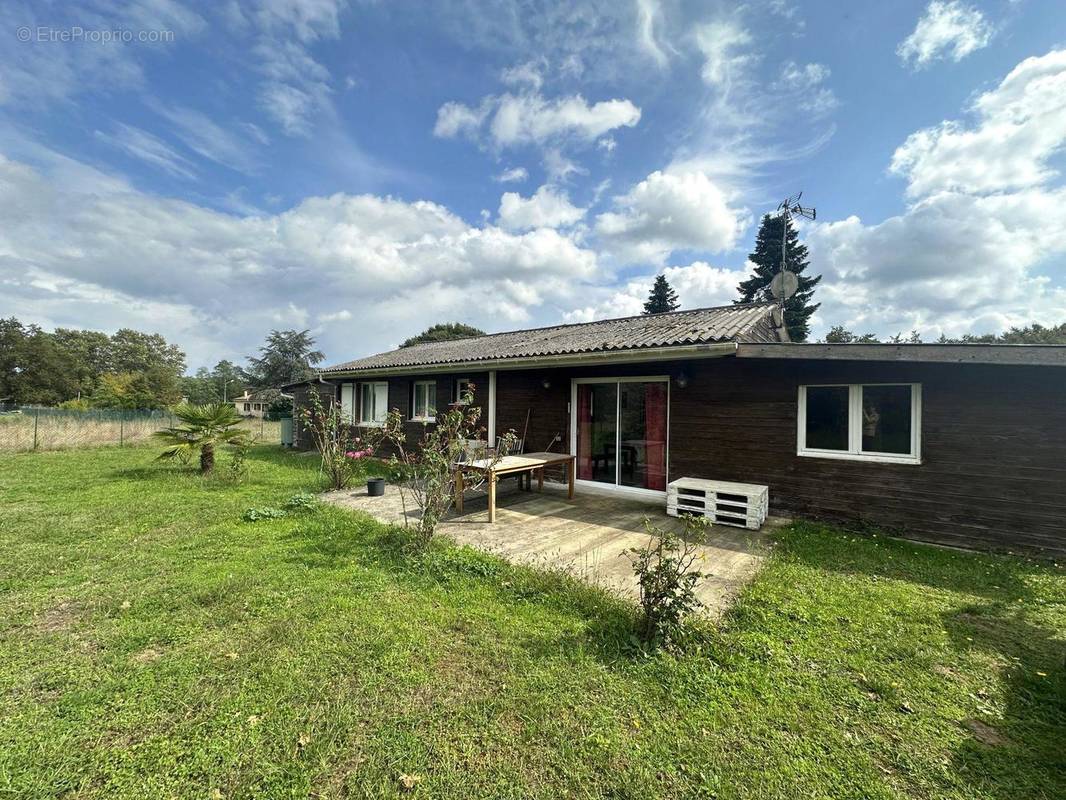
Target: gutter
{"x":672,"y":353}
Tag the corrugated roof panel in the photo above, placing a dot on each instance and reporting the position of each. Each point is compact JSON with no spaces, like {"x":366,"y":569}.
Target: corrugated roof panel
{"x":698,"y":326}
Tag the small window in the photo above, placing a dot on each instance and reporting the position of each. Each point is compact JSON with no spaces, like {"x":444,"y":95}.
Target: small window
{"x":463,"y":386}
{"x":373,"y":403}
{"x":247,"y":406}
{"x":424,"y":405}
{"x":871,"y":422}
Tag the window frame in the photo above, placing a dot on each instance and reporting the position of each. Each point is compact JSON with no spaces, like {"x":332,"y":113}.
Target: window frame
{"x":458,"y":390}
{"x":855,"y":451}
{"x":372,"y":423}
{"x":426,"y":417}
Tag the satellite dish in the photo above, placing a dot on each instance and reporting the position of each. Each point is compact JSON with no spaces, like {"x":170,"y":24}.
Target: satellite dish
{"x":784,"y":285}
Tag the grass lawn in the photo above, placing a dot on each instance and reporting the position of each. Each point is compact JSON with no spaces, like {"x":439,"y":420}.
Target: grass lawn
{"x":154,"y":645}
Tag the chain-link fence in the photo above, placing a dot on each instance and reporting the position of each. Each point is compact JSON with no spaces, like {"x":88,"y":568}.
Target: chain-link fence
{"x":36,"y":428}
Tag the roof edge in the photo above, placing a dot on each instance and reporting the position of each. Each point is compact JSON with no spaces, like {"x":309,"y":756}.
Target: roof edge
{"x":625,"y":355}
{"x":1050,"y":355}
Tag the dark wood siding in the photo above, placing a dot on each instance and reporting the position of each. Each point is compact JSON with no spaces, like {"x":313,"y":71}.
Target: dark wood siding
{"x":327,"y":393}
{"x":993,"y":471}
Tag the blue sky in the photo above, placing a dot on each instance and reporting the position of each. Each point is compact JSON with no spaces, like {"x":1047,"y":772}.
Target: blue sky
{"x":363,"y":169}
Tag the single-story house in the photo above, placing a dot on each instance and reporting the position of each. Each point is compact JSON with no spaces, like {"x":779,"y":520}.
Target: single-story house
{"x":256,"y":403}
{"x":954,"y":444}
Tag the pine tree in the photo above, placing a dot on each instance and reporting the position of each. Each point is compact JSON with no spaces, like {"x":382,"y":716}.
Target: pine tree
{"x":767,"y":261}
{"x":662,"y":298}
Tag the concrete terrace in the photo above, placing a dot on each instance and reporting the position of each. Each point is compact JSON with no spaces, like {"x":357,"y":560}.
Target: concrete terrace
{"x":585,"y":537}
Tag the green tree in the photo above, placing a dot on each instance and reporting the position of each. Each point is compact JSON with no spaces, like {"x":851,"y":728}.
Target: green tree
{"x":200,"y":388}
{"x":662,"y":297}
{"x":1030,"y":334}
{"x":87,"y":353}
{"x":443,"y":332}
{"x":767,"y":261}
{"x":229,"y":379}
{"x":838,"y":334}
{"x":202,"y":429}
{"x":287,"y":357}
{"x":124,"y":390}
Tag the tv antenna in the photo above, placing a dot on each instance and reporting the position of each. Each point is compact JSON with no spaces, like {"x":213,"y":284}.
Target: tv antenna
{"x":785,"y":283}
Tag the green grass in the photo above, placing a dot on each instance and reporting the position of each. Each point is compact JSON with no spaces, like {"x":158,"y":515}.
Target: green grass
{"x":152,"y":644}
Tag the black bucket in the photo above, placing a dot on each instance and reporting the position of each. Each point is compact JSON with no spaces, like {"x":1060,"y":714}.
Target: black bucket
{"x":375,"y":487}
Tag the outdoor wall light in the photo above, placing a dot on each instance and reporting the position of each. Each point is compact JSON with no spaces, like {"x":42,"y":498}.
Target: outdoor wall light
{"x":547,"y":384}
{"x":682,"y":379}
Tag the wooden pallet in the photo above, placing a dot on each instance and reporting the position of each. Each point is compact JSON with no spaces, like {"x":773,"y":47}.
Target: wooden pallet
{"x":744,"y":505}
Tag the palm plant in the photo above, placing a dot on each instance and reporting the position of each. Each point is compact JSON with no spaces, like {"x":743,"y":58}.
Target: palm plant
{"x":203,"y":429}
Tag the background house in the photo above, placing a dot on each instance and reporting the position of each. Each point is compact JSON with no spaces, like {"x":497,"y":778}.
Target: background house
{"x":256,"y":403}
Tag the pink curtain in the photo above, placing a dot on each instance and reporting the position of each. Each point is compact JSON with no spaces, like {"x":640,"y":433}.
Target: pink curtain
{"x":584,"y":432}
{"x":655,"y":435}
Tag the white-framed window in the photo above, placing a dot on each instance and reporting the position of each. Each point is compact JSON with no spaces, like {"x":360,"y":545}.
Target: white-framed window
{"x":373,"y":402}
{"x":348,"y":401}
{"x":247,"y":406}
{"x":462,"y":386}
{"x":861,"y":421}
{"x":424,"y":401}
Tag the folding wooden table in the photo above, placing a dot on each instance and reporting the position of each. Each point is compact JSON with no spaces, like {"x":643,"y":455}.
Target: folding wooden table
{"x":514,"y":465}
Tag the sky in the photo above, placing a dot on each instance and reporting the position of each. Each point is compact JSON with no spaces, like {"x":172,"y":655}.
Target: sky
{"x":364,"y":169}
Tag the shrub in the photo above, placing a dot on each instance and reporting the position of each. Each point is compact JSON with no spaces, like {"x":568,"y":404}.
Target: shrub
{"x":301,"y":502}
{"x":431,"y":468}
{"x":339,"y":451}
{"x":262,"y":512}
{"x":665,"y":570}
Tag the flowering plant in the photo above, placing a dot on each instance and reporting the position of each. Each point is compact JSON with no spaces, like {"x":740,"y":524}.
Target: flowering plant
{"x":332,"y":432}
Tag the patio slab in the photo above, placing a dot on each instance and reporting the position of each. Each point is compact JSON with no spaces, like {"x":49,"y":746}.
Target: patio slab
{"x":585,"y":537}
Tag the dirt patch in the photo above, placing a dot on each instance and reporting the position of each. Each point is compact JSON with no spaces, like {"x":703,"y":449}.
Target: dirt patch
{"x":57,"y":619}
{"x":146,"y":656}
{"x":985,"y":733}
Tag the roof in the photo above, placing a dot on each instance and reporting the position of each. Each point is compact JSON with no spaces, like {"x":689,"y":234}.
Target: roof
{"x":676,"y":329}
{"x":1031,"y":354}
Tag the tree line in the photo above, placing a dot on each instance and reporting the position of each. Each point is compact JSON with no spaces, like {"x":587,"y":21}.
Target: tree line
{"x":130,"y":369}
{"x":1029,"y":334}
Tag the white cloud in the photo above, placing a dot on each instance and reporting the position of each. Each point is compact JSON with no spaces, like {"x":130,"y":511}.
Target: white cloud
{"x":530,"y":118}
{"x":210,"y":140}
{"x":34,"y":74}
{"x":512,"y":175}
{"x":456,"y":119}
{"x":806,"y":82}
{"x":649,"y":23}
{"x":1020,"y":126}
{"x":670,"y":211}
{"x":954,"y":264}
{"x":723,"y":44}
{"x":964,"y":257}
{"x":947,"y":29}
{"x":698,"y":285}
{"x":547,"y":208}
{"x":296,"y":87}
{"x":148,"y":148}
{"x":526,"y":74}
{"x":78,"y":257}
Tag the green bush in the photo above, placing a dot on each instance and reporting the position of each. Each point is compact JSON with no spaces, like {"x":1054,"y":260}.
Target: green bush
{"x":665,"y":570}
{"x":301,"y":502}
{"x":262,"y":512}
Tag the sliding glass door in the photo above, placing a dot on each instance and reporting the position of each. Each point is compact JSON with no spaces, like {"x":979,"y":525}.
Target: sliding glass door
{"x":620,"y":431}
